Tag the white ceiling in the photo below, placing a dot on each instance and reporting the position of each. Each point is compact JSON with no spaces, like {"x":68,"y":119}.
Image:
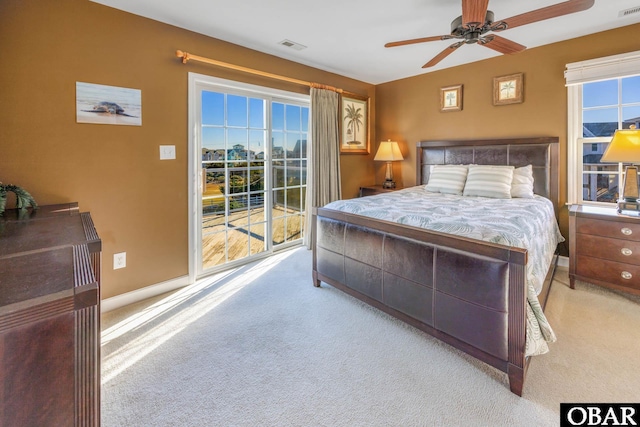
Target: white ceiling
{"x":347,"y":37}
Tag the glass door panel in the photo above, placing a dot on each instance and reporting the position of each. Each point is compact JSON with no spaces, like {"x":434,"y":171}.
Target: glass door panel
{"x":289,"y":171}
{"x":233,"y":189}
{"x":253,"y":170}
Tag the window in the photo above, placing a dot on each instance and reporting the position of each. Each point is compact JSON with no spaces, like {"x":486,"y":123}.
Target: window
{"x":597,"y":108}
{"x":606,"y":106}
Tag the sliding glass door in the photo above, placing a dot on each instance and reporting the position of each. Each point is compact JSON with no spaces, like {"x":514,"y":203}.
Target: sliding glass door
{"x":289,"y":131}
{"x":251,"y":151}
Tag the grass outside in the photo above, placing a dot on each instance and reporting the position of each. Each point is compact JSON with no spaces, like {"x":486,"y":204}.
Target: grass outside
{"x":211,"y":190}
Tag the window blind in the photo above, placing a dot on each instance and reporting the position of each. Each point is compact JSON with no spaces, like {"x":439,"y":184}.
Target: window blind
{"x":609,"y":67}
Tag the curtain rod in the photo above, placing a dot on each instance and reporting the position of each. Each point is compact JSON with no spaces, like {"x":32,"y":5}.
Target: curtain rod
{"x":188,"y":56}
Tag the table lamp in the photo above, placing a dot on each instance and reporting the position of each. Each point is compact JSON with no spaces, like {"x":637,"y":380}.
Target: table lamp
{"x":388,"y":151}
{"x":625,"y":147}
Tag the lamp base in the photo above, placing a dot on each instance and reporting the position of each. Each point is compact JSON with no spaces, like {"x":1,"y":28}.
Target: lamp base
{"x":630,"y":185}
{"x":628,"y":208}
{"x":389,"y":184}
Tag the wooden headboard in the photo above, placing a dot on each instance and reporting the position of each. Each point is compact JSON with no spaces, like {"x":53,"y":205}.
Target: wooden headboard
{"x":541,"y":153}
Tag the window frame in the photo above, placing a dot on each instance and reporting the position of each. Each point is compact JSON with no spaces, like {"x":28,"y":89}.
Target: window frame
{"x":614,"y":67}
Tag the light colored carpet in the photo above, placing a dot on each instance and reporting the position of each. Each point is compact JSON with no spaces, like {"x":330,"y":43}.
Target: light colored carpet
{"x":260,"y":346}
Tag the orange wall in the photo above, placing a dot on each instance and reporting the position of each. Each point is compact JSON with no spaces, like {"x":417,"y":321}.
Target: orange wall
{"x":408,"y":109}
{"x":138,"y":203}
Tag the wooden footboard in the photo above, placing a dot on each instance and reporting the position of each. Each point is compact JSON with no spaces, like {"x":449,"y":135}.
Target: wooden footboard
{"x":467,"y":293}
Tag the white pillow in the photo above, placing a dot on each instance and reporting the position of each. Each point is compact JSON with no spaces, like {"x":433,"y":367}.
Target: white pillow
{"x":522,"y":183}
{"x":489,"y":181}
{"x":448,"y":179}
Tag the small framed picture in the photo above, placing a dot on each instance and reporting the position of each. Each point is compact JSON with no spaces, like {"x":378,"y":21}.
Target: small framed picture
{"x":354,"y":125}
{"x":507,"y":89}
{"x":451,"y":98}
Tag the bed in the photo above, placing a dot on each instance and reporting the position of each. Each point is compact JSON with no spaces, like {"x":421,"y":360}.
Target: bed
{"x":472,"y":294}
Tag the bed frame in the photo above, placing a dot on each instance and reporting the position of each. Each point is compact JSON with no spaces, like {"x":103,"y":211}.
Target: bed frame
{"x":468,"y":293}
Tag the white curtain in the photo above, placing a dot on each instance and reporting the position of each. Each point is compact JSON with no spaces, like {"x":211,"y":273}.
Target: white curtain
{"x":323,"y":179}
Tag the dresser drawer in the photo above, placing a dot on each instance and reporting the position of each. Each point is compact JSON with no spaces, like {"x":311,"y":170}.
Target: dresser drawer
{"x":625,"y":251}
{"x":618,"y":230}
{"x":616,"y":273}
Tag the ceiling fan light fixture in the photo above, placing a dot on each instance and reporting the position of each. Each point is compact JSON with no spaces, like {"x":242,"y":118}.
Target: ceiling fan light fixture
{"x":472,"y":37}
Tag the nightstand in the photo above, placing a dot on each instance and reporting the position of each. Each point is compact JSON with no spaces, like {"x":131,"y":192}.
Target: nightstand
{"x":604,"y":248}
{"x":376,"y":189}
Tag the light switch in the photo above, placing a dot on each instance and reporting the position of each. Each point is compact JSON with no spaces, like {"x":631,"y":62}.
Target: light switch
{"x":167,"y":152}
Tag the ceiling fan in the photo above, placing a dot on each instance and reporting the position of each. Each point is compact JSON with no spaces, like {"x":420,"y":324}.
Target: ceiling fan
{"x":477,"y":20}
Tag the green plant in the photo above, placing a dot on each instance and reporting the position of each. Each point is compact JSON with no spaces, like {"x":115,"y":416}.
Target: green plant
{"x":23,"y":198}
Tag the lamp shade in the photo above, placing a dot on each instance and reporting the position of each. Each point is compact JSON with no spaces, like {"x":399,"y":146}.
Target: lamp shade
{"x":624,"y":147}
{"x":388,"y":151}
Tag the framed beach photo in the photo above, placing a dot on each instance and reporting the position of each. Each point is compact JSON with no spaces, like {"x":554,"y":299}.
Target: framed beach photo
{"x":108,"y":105}
{"x":451,"y":98}
{"x":508,"y":89}
{"x":354,"y":123}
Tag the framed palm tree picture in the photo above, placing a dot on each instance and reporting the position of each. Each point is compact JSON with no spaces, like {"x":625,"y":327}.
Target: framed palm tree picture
{"x":451,"y":98}
{"x":355,"y":125}
{"x":507,"y":89}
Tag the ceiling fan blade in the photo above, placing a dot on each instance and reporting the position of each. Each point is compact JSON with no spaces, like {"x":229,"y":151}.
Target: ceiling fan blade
{"x":500,"y":44}
{"x":474,"y":12}
{"x":439,"y":57}
{"x":420,"y":40}
{"x":560,"y":9}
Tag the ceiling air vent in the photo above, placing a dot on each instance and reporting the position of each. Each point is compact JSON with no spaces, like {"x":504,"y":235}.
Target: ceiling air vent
{"x":627,"y":12}
{"x":292,"y":45}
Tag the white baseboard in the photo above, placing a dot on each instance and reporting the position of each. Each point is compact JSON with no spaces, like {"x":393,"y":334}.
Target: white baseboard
{"x":563,"y":261}
{"x":143,"y":293}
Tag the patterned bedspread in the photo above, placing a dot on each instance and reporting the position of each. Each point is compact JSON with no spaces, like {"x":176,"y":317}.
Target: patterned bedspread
{"x":523,"y":223}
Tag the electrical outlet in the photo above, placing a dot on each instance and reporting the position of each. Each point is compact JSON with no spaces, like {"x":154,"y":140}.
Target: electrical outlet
{"x":119,"y":260}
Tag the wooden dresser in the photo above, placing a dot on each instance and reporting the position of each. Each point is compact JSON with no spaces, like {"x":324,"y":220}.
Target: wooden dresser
{"x":604,"y":248}
{"x":49,"y":318}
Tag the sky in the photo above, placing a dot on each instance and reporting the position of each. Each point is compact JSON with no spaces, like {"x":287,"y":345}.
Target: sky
{"x":247,"y":121}
{"x":600,"y":100}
